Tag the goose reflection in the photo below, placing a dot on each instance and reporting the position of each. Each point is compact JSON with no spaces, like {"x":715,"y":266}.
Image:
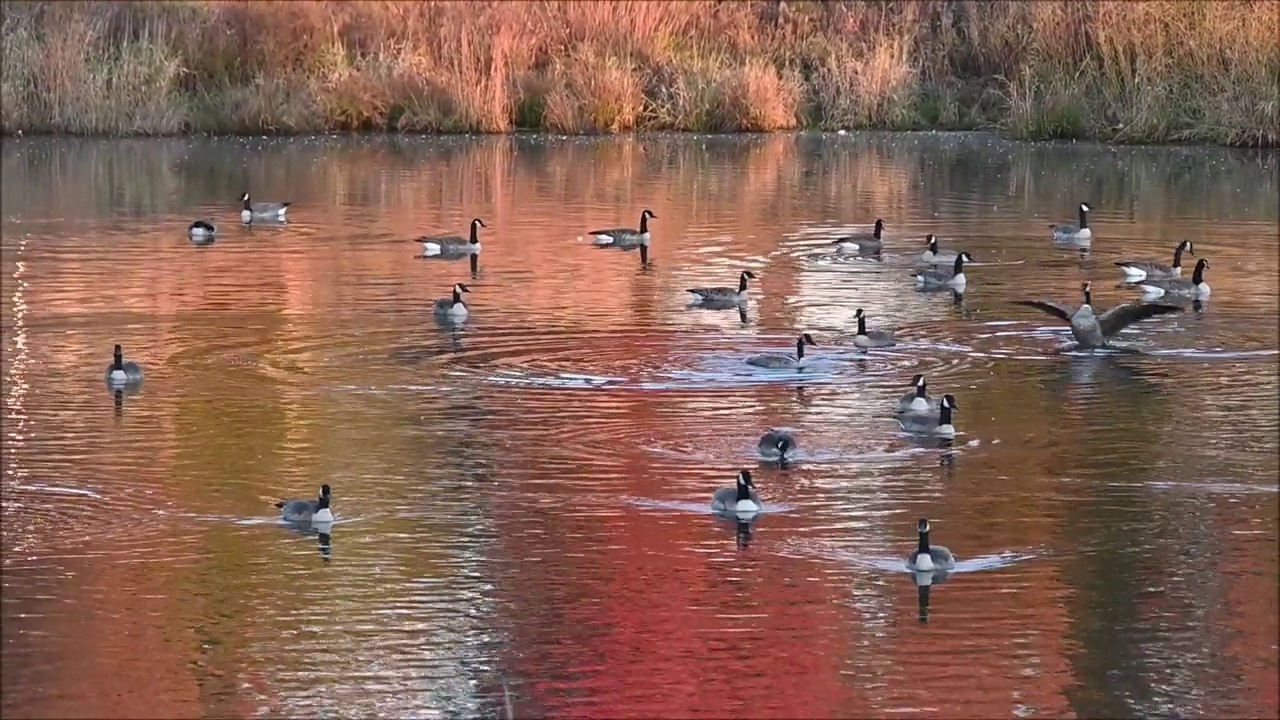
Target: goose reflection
{"x":323,"y":532}
{"x":947,"y":458}
{"x":924,"y":583}
{"x":118,"y":394}
{"x":743,"y":526}
{"x":715,"y":304}
{"x":945,"y":444}
{"x":455,"y":332}
{"x":1105,"y":368}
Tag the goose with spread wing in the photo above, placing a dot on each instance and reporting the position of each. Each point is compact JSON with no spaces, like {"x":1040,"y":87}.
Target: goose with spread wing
{"x":1094,"y":331}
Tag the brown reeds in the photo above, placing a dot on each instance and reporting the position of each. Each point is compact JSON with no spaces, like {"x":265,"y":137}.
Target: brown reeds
{"x":1148,"y":71}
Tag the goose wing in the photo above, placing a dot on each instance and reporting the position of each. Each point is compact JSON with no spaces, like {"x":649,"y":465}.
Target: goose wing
{"x":859,"y":238}
{"x":724,"y":498}
{"x":1170,"y":286}
{"x":615,"y":232}
{"x":772,"y":361}
{"x":1147,"y":267}
{"x":713,"y":292}
{"x":1044,"y":306}
{"x":443,"y":239}
{"x":940,"y":274}
{"x":941,"y":555}
{"x":297,"y":507}
{"x":1120,"y":316}
{"x":269,"y":207}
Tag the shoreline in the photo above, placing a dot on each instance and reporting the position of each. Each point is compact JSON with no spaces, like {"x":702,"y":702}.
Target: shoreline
{"x":1137,"y":73}
{"x":636,"y":134}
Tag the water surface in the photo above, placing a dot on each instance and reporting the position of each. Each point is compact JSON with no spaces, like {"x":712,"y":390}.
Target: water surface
{"x":522,"y":500}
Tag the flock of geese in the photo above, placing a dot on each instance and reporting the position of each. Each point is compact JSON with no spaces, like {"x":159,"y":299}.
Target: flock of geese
{"x":916,"y":412}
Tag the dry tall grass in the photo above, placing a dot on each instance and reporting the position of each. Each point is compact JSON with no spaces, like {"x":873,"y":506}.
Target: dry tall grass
{"x":1149,"y":71}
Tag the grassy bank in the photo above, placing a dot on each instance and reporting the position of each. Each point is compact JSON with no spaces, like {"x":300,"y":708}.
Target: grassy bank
{"x":1119,"y":71}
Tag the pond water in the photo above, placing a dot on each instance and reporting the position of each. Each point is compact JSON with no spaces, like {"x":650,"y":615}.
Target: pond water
{"x":522,"y":500}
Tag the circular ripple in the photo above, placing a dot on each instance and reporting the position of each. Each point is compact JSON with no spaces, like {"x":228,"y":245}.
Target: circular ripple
{"x":655,"y":360}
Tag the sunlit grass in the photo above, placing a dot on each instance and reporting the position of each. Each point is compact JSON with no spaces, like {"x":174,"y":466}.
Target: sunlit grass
{"x":1150,"y":71}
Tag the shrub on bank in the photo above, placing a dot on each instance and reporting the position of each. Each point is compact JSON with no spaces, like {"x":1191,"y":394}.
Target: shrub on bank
{"x":1152,"y":71}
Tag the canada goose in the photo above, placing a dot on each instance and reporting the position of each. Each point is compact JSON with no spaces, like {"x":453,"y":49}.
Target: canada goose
{"x":918,"y":400}
{"x":1093,"y":331}
{"x":1196,"y":287}
{"x":452,"y":245}
{"x":862,"y":242}
{"x":723,"y":294}
{"x":771,"y":360}
{"x":201,"y":229}
{"x":941,"y":277}
{"x":741,"y":498}
{"x":1071,"y":233}
{"x":875,"y":338}
{"x":621,"y":237}
{"x":1138,"y":270}
{"x":928,"y":558}
{"x":316,"y":511}
{"x":775,"y":444}
{"x":936,"y":255}
{"x":120,"y":372}
{"x":929,"y":423}
{"x":264,"y":210}
{"x":453,"y":307}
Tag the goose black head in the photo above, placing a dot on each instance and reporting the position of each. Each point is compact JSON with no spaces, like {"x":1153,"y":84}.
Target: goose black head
{"x":244,"y":197}
{"x":744,"y":478}
{"x":858,"y":313}
{"x":748,"y":274}
{"x":932,"y":242}
{"x":117,"y":355}
{"x":1084,"y":207}
{"x":949,"y":401}
{"x":460,"y":288}
{"x":324,"y":490}
{"x":922,"y":526}
{"x":648,"y":214}
{"x":917,"y":380}
{"x":879,"y":226}
{"x":808,"y":340}
{"x":1188,"y":246}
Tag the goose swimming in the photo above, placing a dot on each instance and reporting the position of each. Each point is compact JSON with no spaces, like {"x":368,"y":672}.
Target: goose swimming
{"x":1074,"y":233}
{"x":316,"y":511}
{"x":712,"y":295}
{"x":1195,"y":288}
{"x":943,"y":278}
{"x":862,"y":242}
{"x":775,"y":444}
{"x":928,"y":558}
{"x":873,"y":339}
{"x":1135,"y":270}
{"x":453,"y":307}
{"x":262,"y":211}
{"x":774,"y":360}
{"x":741,"y":498}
